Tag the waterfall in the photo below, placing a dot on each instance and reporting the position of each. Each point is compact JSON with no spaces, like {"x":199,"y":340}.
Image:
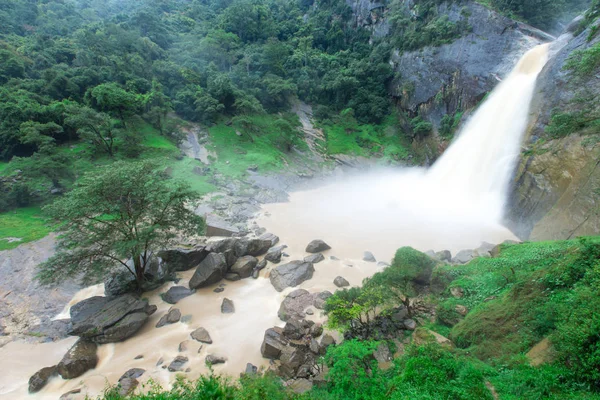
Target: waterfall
{"x":481,"y":161}
{"x":456,"y":204}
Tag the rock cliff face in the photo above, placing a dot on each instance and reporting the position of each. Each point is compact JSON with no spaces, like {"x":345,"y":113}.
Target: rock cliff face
{"x":435,"y":81}
{"x":556,"y":192}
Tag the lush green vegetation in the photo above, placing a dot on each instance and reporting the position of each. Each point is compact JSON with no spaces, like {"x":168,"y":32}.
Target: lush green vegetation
{"x":22,"y":226}
{"x":124,"y":211}
{"x":543,"y":14}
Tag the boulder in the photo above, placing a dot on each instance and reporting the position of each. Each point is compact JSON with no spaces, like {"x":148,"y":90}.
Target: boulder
{"x":79,"y":359}
{"x":314,"y":258}
{"x":262,"y":264}
{"x":485,"y":250}
{"x":410,"y":324}
{"x":171,"y":317}
{"x":133,"y":373}
{"x":382,"y":354}
{"x":216,"y":226}
{"x":210,"y":271}
{"x":201,"y":335}
{"x":274,"y":255}
{"x":383,"y":264}
{"x":369,"y":257}
{"x":40,"y":378}
{"x":300,"y":386}
{"x":317,"y":246}
{"x":294,"y":329}
{"x":177,"y":364}
{"x":176,"y":293}
{"x":212,"y":359}
{"x":291,"y":274}
{"x":273,"y":343}
{"x":244,"y":266}
{"x":221,"y":246}
{"x":107,"y":320}
{"x":326,"y":341}
{"x":340,"y":282}
{"x":230,"y":257}
{"x":464,"y":256}
{"x":227,"y":306}
{"x":444,"y":255}
{"x":251,"y":369}
{"x":274,"y":239}
{"x":232,"y":277}
{"x":251,"y":247}
{"x":183,"y":259}
{"x":294,"y":304}
{"x":321,"y":298}
{"x":127,"y":386}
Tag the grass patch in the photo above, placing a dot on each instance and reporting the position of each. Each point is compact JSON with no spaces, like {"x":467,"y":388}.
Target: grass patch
{"x":347,"y":136}
{"x":257,"y":141}
{"x":28,"y":224}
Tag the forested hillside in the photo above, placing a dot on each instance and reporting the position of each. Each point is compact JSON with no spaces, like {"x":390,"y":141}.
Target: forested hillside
{"x":98,"y":80}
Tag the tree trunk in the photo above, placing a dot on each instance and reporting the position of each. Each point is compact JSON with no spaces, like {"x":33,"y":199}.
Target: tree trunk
{"x":139,"y":270}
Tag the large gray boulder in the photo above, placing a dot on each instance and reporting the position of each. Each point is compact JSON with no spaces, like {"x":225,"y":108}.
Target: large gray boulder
{"x":291,"y":274}
{"x":274,"y":239}
{"x":341,"y":282}
{"x":464,"y":256}
{"x":171,"y":317}
{"x":314,"y":258}
{"x":273,"y":343}
{"x":221,"y":246}
{"x":274,"y":254}
{"x":79,"y":359}
{"x":176,"y":293}
{"x":211,"y":270}
{"x":295,"y":304}
{"x":107,"y":320}
{"x":251,"y":247}
{"x":40,"y":378}
{"x":183,"y":259}
{"x":244,"y":266}
{"x":317,"y":246}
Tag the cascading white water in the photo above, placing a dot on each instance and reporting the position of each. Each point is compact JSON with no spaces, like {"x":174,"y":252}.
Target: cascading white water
{"x":480,"y":162}
{"x":455,"y":204}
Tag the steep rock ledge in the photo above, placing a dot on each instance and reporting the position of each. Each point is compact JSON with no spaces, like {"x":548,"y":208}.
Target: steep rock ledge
{"x":556,"y":191}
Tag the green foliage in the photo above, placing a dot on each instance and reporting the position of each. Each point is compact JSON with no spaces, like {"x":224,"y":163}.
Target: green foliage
{"x":22,"y":226}
{"x":567,"y":123}
{"x":420,"y":127}
{"x":122,"y":211}
{"x":422,"y":26}
{"x":449,"y":124}
{"x":541,"y":13}
{"x":584,"y":62}
{"x":344,"y":135}
{"x":353,"y":371}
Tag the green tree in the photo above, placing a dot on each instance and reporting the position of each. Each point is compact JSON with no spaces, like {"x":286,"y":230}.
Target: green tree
{"x":111,"y":98}
{"x":93,"y":126}
{"x":123,"y":211}
{"x":354,"y":308}
{"x":400,"y":281}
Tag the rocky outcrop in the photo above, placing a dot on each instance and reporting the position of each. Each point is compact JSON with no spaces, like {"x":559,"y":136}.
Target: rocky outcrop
{"x":295,"y":304}
{"x":79,"y":359}
{"x":291,"y":274}
{"x":107,"y":320}
{"x":555,"y":190}
{"x":210,"y":271}
{"x":40,"y":378}
{"x":435,"y":81}
{"x":244,"y":266}
{"x":183,"y":259}
{"x":295,"y":349}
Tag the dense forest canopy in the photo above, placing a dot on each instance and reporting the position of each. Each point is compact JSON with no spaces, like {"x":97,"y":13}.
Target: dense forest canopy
{"x":91,"y":70}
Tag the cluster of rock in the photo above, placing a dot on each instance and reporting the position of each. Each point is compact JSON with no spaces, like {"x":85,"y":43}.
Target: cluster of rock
{"x":295,"y":350}
{"x":466,"y":255}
